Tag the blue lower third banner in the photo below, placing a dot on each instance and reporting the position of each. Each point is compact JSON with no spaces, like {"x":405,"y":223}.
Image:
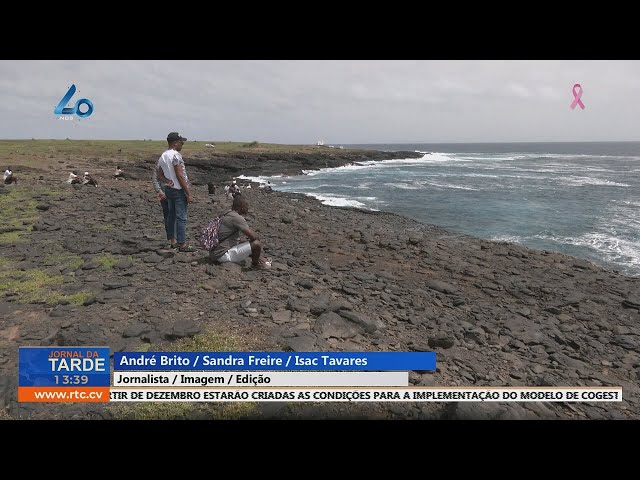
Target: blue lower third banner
{"x":63,"y":366}
{"x":374,"y":361}
{"x":64,"y":374}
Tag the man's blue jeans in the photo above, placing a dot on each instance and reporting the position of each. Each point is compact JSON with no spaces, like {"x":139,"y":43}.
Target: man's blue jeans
{"x":177,"y":214}
{"x":165,"y":215}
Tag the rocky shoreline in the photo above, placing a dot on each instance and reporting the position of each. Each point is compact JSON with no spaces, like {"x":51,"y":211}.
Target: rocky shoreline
{"x":218,"y":169}
{"x":343,"y":279}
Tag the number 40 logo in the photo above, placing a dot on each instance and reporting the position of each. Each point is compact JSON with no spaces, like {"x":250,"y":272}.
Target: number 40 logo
{"x":62,"y":109}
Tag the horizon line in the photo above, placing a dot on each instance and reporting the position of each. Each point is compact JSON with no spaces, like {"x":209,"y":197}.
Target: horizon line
{"x":314,"y":144}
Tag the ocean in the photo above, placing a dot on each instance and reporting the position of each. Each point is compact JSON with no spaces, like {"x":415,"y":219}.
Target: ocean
{"x":581,"y":199}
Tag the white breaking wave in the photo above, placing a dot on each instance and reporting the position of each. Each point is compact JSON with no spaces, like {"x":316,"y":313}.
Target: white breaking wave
{"x":339,"y":201}
{"x":493,"y":157}
{"x":260,"y":179}
{"x":344,"y":168}
{"x":507,"y":238}
{"x":580,"y":181}
{"x":429,"y":158}
{"x":324,"y":186}
{"x":526,"y":156}
{"x":371,"y":199}
{"x":612,"y":248}
{"x":542,"y":171}
{"x":447,"y":185}
{"x":479,"y":175}
{"x":625,"y":216}
{"x":377,"y":164}
{"x":420,"y":184}
{"x":625,"y":222}
{"x":631,"y":203}
{"x":597,"y":169}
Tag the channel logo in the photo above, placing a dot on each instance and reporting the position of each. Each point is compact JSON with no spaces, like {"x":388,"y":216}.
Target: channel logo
{"x":62,"y":109}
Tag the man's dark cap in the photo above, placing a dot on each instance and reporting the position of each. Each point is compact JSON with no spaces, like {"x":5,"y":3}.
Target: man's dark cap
{"x":174,"y":137}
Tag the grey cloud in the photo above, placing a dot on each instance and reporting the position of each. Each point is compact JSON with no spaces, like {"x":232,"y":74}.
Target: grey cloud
{"x":342,"y":101}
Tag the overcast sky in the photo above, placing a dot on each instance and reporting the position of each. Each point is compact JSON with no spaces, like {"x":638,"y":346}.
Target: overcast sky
{"x":338,"y":101}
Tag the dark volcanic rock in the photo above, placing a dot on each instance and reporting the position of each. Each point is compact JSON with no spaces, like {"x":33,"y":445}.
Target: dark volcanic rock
{"x":342,"y":279}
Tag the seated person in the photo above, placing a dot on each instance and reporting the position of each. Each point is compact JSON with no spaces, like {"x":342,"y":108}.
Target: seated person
{"x":234,"y":190}
{"x":88,"y":180}
{"x":73,"y":178}
{"x":8,"y":177}
{"x":229,"y":250}
{"x":119,"y":173}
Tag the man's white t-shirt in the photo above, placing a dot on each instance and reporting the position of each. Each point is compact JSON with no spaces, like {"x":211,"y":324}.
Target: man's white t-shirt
{"x":167,"y":161}
{"x":7,"y":173}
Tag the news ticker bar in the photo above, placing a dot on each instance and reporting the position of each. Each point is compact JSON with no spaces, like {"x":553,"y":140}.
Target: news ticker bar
{"x":413,"y":394}
{"x":271,"y":379}
{"x":83,"y":374}
{"x":319,"y":394}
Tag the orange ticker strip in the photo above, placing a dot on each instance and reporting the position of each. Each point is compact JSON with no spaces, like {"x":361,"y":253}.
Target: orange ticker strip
{"x":63,"y":394}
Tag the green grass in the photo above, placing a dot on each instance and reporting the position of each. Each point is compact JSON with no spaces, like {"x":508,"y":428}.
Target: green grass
{"x":72,"y":261}
{"x":20,"y":221}
{"x":107,"y":260}
{"x":30,"y":286}
{"x":208,"y":341}
{"x":18,"y":209}
{"x":102,"y":148}
{"x":134,"y":149}
{"x":35,"y":286}
{"x":79,"y":298}
{"x":66,"y":260}
{"x":10,"y":238}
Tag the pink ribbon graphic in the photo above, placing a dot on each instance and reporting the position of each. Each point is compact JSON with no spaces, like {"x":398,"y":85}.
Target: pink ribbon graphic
{"x":576,"y":97}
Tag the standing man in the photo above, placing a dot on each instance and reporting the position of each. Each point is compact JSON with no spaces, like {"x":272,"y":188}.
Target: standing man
{"x":171,"y":170}
{"x":229,"y":250}
{"x":165,"y":206}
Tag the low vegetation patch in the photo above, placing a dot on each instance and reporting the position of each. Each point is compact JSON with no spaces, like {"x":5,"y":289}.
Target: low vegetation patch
{"x":19,"y":212}
{"x":35,"y":286}
{"x":107,"y":260}
{"x":66,"y":260}
{"x":209,"y":341}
